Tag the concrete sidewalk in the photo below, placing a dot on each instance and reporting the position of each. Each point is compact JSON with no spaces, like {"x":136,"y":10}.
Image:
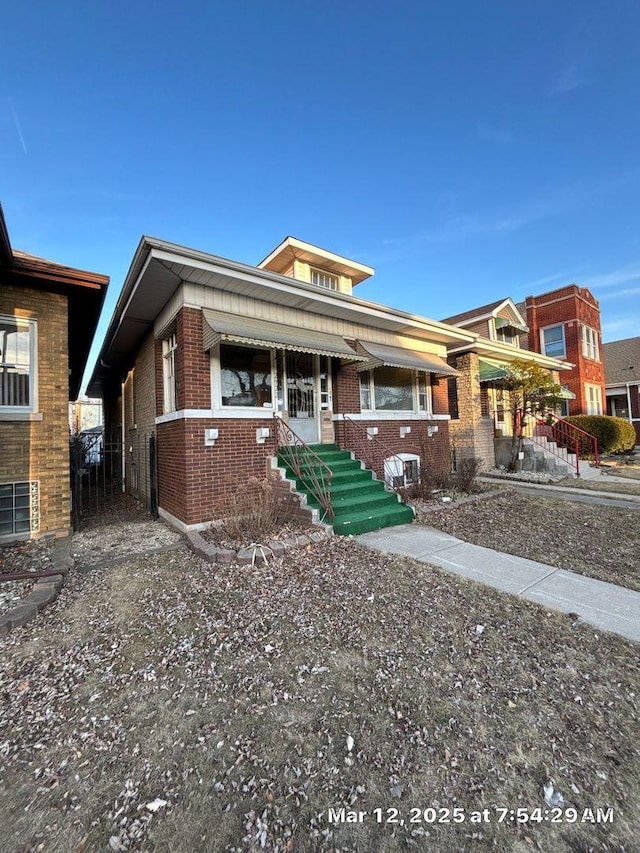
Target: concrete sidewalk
{"x":603,"y":605}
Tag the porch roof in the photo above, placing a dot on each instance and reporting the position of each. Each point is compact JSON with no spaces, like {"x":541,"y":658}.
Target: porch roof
{"x":490,"y":371}
{"x":220,"y":325}
{"x":383,"y":354}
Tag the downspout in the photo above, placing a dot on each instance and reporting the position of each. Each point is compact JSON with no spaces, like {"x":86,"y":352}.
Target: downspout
{"x":122,"y":437}
{"x":629,"y":404}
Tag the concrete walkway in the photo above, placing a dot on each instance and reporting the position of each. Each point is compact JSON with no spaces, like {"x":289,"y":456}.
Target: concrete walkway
{"x":591,"y":496}
{"x":603,"y":605}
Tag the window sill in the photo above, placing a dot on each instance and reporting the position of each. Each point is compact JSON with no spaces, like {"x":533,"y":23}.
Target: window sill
{"x":20,"y":416}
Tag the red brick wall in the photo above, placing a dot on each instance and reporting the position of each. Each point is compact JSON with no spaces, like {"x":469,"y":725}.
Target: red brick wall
{"x":192,"y":362}
{"x":346,"y":390}
{"x":437,"y":453}
{"x":196,"y":482}
{"x":574,"y":307}
{"x":439,"y":396}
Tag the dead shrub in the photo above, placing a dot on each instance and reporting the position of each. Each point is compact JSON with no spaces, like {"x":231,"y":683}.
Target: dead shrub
{"x":467,"y":472}
{"x":256,"y":512}
{"x":433,"y":478}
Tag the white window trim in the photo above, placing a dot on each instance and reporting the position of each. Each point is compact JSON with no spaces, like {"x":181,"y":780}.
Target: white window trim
{"x":564,"y":340}
{"x":249,"y":412}
{"x":169,"y":383}
{"x":590,"y":346}
{"x":395,"y":413}
{"x":328,"y":275}
{"x":30,"y":412}
{"x":588,"y":387}
{"x":391,"y":468}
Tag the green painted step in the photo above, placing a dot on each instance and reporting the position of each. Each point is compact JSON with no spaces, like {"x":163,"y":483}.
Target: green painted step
{"x":365,"y":521}
{"x":360,"y":502}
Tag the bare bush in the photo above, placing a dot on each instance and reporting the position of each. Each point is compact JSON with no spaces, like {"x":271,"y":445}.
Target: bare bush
{"x":255,"y":513}
{"x":467,"y":472}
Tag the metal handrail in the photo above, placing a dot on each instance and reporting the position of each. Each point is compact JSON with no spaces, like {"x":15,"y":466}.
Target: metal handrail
{"x":305,"y":463}
{"x":563,"y":434}
{"x":358,"y":437}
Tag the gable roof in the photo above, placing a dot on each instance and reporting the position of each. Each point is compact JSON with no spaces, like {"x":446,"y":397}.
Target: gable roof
{"x":622,"y":361}
{"x":484,"y":312}
{"x":85,"y":292}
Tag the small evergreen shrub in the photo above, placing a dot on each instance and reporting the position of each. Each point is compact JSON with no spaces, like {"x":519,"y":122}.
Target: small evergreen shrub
{"x":615,"y":435}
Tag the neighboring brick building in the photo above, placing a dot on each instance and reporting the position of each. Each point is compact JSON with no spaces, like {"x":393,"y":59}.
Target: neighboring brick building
{"x":48,"y":315}
{"x":565,"y":324}
{"x":202,"y":352}
{"x":478,"y":404}
{"x":622,"y":375}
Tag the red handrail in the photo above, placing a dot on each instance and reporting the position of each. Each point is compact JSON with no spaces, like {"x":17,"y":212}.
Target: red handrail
{"x":565,"y":435}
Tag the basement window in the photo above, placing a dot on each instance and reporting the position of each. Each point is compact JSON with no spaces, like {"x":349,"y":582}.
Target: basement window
{"x":19,"y":508}
{"x":402,"y":470}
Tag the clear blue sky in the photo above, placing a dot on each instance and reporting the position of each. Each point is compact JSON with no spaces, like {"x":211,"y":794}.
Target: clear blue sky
{"x":468,"y":151}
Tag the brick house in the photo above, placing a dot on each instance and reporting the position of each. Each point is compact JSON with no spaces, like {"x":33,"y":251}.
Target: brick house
{"x":565,"y":324}
{"x":211,"y":356}
{"x":48,"y":315}
{"x":478,"y":403}
{"x":622,"y":376}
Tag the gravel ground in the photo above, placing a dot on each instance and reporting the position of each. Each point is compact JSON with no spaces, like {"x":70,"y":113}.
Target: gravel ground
{"x":32,"y":556}
{"x":593,"y":540}
{"x":163,"y":704}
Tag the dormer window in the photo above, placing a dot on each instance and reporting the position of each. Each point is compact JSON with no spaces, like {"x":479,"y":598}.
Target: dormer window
{"x":324,"y":279}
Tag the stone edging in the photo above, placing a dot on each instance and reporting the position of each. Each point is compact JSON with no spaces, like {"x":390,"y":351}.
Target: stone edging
{"x":44,"y":592}
{"x":258,"y":553}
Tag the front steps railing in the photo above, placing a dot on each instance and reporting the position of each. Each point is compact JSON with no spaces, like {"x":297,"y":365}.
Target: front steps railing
{"x":560,"y":438}
{"x":308,"y":467}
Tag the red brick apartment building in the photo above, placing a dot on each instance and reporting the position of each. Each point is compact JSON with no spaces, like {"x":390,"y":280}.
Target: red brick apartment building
{"x":565,"y":324}
{"x":48,"y":316}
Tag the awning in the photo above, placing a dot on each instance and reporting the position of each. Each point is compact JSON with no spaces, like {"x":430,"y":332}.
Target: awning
{"x":566,"y":394}
{"x":505,"y":323}
{"x":491,"y":372}
{"x":221,"y":326}
{"x":379,"y":354}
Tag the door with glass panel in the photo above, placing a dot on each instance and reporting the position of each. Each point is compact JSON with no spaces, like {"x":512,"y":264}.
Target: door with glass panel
{"x":302,"y":395}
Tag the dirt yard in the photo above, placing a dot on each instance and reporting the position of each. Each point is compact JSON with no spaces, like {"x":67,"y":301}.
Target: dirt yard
{"x":163,"y":704}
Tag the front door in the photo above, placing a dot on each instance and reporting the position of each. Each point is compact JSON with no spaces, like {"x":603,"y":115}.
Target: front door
{"x":302,"y":395}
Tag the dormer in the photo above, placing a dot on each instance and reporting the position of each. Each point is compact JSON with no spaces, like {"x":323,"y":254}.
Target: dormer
{"x":500,"y":321}
{"x":305,"y":262}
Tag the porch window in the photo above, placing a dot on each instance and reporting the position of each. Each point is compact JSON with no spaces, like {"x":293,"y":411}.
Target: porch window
{"x":552,"y":341}
{"x":17,"y":364}
{"x":590,"y":343}
{"x":19,"y":508}
{"x":395,"y":389}
{"x":246,"y":376}
{"x":169,"y":346}
{"x":365,"y":391}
